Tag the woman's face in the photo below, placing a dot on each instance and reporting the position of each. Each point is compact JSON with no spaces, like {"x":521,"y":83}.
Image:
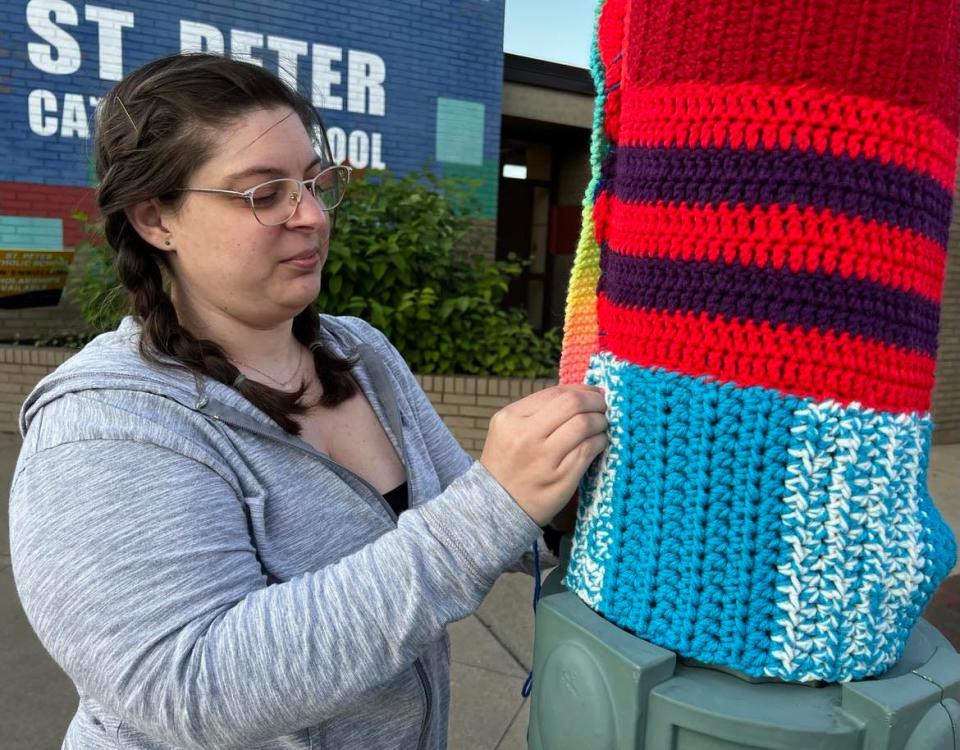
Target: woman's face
{"x":224,"y":262}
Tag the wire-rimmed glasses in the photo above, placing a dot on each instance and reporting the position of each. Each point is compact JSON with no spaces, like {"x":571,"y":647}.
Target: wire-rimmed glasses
{"x":275,"y":202}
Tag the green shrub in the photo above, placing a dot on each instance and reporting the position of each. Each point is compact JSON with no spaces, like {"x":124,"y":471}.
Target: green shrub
{"x":93,"y":284}
{"x":397,"y":260}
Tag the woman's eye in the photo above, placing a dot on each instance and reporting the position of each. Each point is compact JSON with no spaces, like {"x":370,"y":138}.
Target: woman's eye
{"x":265,"y":197}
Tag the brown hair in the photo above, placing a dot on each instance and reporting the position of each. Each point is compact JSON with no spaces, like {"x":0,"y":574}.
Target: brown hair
{"x":153,"y":130}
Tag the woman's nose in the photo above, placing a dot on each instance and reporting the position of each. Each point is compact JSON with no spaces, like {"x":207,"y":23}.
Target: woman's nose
{"x":309,"y":213}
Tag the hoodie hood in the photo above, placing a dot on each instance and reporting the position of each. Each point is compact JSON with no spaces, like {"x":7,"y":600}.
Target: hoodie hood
{"x":113,"y":361}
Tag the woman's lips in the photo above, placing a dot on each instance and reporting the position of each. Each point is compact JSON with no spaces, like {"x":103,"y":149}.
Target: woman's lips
{"x":306,"y":260}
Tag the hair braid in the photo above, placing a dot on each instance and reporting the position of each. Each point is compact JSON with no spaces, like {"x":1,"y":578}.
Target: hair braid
{"x":153,"y":130}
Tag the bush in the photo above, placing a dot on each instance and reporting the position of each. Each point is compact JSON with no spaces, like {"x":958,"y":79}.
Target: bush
{"x":396,"y":260}
{"x":93,"y":284}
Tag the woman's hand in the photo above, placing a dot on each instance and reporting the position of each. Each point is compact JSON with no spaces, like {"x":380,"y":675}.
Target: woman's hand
{"x":540,"y":446}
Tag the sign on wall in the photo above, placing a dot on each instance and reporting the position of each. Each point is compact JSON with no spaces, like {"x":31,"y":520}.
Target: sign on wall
{"x":400,"y":85}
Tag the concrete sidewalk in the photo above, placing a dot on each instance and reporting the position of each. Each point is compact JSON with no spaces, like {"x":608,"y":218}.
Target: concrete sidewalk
{"x":492,"y":650}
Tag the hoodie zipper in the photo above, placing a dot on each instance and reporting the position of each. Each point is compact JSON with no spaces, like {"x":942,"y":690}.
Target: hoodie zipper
{"x":218,"y":412}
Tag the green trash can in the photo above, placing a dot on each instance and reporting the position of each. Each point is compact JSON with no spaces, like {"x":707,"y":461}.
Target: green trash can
{"x":597,"y":687}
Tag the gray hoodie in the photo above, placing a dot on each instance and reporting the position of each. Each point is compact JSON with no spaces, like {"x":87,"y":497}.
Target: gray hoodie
{"x":210,"y":581}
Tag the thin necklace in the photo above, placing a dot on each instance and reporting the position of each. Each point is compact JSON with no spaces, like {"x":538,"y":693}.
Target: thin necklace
{"x":281,"y":383}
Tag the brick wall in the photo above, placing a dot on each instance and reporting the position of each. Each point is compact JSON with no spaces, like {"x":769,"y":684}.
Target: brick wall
{"x":465,"y":403}
{"x":31,"y":323}
{"x":20,"y":368}
{"x":438,"y":65}
{"x":399,"y":83}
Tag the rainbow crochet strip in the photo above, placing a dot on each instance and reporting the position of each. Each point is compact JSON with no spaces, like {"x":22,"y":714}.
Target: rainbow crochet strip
{"x":757,"y":288}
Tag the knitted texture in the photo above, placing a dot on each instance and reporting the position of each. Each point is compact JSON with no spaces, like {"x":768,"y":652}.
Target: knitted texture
{"x":757,"y":289}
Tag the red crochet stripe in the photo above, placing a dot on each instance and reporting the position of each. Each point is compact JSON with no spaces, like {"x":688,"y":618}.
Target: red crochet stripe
{"x":895,"y":50}
{"x":798,"y":239}
{"x":746,"y":115}
{"x":610,"y":31}
{"x":602,"y":205}
{"x":803,"y":363}
{"x":610,"y":45}
{"x":611,"y":114}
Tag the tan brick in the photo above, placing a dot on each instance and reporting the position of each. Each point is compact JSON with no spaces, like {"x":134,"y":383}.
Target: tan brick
{"x":484,"y":412}
{"x":458,"y":398}
{"x":470,"y":385}
{"x":447,"y":410}
{"x":481,"y":386}
{"x":28,"y":381}
{"x":38,"y":370}
{"x":498,"y":402}
{"x":457,"y":421}
{"x":462,"y":433}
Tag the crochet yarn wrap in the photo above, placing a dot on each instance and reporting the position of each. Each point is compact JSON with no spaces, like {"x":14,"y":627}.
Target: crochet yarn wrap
{"x":757,"y":289}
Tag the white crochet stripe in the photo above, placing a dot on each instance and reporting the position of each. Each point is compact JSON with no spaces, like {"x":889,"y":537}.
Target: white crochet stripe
{"x":592,"y":538}
{"x":904,"y":457}
{"x":853,"y":530}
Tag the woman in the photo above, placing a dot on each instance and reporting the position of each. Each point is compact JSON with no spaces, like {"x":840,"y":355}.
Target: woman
{"x":199,"y":530}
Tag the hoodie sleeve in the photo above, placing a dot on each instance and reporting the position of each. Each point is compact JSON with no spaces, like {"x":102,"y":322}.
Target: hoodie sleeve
{"x":134,"y":565}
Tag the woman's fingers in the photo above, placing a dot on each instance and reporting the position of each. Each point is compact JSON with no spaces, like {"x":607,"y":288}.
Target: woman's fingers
{"x":539,"y":447}
{"x":555,"y":406}
{"x":575,"y":431}
{"x":577,"y":461}
{"x":535,"y":401}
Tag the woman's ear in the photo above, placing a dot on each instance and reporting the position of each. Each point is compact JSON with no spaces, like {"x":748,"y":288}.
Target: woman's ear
{"x":147,"y":218}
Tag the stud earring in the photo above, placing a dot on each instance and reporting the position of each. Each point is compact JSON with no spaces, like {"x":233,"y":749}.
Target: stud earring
{"x":167,"y":243}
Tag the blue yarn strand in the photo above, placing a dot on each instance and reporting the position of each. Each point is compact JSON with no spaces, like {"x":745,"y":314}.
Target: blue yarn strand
{"x":528,"y":683}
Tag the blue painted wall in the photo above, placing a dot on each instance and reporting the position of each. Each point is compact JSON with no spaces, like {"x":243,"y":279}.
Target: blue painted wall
{"x":441,"y":63}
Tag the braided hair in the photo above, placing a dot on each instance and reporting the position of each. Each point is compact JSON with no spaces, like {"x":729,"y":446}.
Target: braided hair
{"x":153,"y":130}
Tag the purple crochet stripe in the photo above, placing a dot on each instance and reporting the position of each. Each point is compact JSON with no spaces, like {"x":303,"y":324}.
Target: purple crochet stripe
{"x":708,"y":176}
{"x":811,"y":300}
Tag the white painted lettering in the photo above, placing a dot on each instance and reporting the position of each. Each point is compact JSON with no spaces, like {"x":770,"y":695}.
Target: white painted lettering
{"x":60,"y":55}
{"x":242,"y":44}
{"x":288,"y":50}
{"x":338,"y":144}
{"x":42,"y":109}
{"x":324,"y":76}
{"x":376,"y":158}
{"x":110,"y":26}
{"x":365,"y":74}
{"x":358,"y":149}
{"x":200,"y":37}
{"x":74,"y":122}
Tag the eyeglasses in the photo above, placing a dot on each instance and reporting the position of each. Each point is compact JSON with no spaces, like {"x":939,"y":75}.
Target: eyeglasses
{"x":275,"y":202}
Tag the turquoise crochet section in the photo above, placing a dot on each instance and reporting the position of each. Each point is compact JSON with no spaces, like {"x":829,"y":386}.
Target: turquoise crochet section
{"x":775,"y":535}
